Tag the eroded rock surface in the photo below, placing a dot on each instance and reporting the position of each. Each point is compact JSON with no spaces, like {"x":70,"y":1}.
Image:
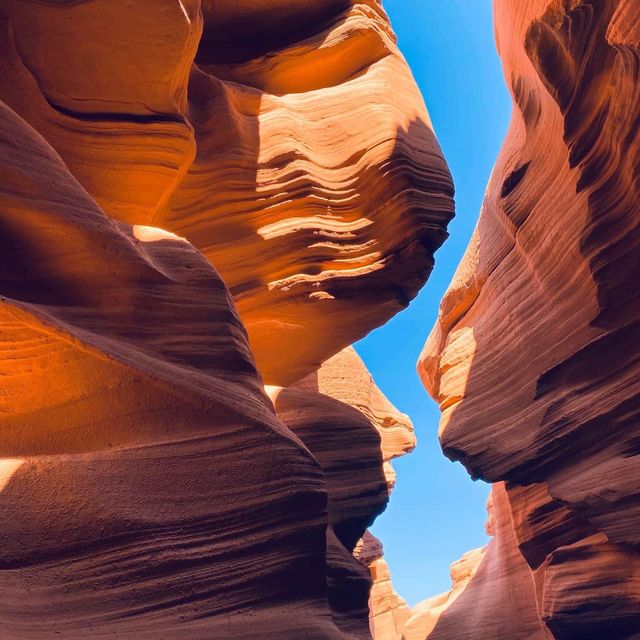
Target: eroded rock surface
{"x":534,"y":358}
{"x":346,"y":378}
{"x":127,"y":503}
{"x":388,"y":611}
{"x":261,"y":153}
{"x":195,"y":199}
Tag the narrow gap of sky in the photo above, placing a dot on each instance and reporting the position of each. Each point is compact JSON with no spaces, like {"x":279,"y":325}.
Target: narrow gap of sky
{"x":436,"y":512}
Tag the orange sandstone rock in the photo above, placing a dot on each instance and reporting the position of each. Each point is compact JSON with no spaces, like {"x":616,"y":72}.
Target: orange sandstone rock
{"x":130,"y":408}
{"x":388,"y":611}
{"x":346,"y":378}
{"x":534,"y":358}
{"x":320,"y":223}
{"x":296,"y":152}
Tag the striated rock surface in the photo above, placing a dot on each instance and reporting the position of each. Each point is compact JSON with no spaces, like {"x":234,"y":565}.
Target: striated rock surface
{"x":388,"y":611}
{"x":254,"y":142}
{"x":320,"y":223}
{"x":534,"y":358}
{"x":493,"y":594}
{"x":346,"y":378}
{"x":353,"y":431}
{"x":128,"y":504}
{"x":197,"y":198}
{"x":347,"y":446}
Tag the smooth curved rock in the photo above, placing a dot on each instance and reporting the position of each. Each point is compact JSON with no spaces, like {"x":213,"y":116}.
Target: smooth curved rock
{"x":388,"y":611}
{"x":313,"y":217}
{"x":130,"y":405}
{"x":320,"y":223}
{"x":534,"y":358}
{"x":105,"y":82}
{"x":347,"y":446}
{"x":493,"y":593}
{"x":346,"y":378}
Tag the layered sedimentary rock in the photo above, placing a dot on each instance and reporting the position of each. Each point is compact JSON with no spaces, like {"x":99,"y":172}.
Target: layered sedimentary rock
{"x":347,"y":446}
{"x":353,"y":431}
{"x":493,"y":592}
{"x":171,"y":173}
{"x":346,"y":378}
{"x":388,"y":611}
{"x":130,"y":405}
{"x":262,"y":153}
{"x":492,"y":595}
{"x":321,"y":224}
{"x":534,"y":358}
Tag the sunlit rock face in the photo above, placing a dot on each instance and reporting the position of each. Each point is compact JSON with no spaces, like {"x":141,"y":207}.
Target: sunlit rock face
{"x":493,"y":592}
{"x":289,"y":143}
{"x":131,"y":412}
{"x":388,"y":610}
{"x":318,"y":189}
{"x":534,"y":358}
{"x":195,"y":199}
{"x":346,"y":378}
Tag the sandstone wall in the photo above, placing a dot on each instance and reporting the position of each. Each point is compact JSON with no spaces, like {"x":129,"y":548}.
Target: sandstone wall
{"x":197,"y":199}
{"x":534,"y":359}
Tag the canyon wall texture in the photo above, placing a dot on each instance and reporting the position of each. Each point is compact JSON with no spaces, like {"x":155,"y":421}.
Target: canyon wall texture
{"x":198,"y":199}
{"x":534,"y":359}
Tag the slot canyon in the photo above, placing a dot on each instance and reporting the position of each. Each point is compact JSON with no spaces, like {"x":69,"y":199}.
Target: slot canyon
{"x":204,"y":206}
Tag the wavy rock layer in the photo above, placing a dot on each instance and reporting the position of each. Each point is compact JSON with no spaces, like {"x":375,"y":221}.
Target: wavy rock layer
{"x":298,"y":157}
{"x":147,"y":487}
{"x":320,"y":223}
{"x":346,"y":378}
{"x":547,"y":295}
{"x":347,"y":446}
{"x":127,"y":503}
{"x":388,"y":611}
{"x":354,"y":432}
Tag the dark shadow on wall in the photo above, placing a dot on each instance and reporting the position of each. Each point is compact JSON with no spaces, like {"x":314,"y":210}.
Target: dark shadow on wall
{"x":348,"y":447}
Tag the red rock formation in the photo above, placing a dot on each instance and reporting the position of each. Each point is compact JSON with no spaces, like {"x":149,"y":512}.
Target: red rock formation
{"x":320,"y":224}
{"x":347,"y":446}
{"x":346,"y":378}
{"x":130,"y":407}
{"x":534,"y":359}
{"x":353,"y":431}
{"x":493,"y":592}
{"x":388,"y":611}
{"x":148,"y":487}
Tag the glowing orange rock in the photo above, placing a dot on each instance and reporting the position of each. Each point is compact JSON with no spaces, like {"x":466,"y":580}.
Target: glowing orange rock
{"x":300,"y":158}
{"x":130,"y":408}
{"x":149,"y":486}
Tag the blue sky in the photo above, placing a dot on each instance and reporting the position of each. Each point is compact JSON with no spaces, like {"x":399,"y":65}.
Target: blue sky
{"x":436,"y":512}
